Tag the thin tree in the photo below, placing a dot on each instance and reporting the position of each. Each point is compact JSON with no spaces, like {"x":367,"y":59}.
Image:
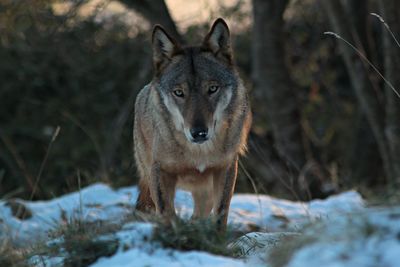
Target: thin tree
{"x":274,"y":90}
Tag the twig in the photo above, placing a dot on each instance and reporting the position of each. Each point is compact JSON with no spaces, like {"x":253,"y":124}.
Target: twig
{"x":18,"y":159}
{"x":80,"y":195}
{"x":92,"y":138}
{"x":53,"y":138}
{"x":365,"y":59}
{"x":253,"y":185}
{"x":387,"y":28}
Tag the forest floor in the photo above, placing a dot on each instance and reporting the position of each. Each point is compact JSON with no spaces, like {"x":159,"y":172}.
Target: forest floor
{"x":97,"y":226}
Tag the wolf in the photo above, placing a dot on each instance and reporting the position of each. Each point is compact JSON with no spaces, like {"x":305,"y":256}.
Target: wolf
{"x":191,"y":124}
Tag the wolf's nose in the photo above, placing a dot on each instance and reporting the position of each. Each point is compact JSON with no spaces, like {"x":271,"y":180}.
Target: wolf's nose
{"x":199,"y":134}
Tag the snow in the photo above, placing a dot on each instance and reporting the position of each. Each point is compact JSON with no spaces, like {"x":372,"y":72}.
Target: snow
{"x":369,"y":238}
{"x":344,"y":231}
{"x":161,"y":257}
{"x":96,"y":202}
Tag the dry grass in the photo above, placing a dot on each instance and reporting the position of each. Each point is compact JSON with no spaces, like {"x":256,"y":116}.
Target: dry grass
{"x":11,"y":256}
{"x":195,"y":235}
{"x":79,"y":243}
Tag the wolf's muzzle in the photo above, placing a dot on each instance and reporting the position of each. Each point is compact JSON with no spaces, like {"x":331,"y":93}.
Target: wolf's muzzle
{"x":199,"y":135}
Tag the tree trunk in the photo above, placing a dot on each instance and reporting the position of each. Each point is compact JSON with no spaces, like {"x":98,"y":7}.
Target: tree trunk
{"x":367,"y":95}
{"x":390,"y":10}
{"x":277,"y":103}
{"x":273,"y":86}
{"x":156,"y":12}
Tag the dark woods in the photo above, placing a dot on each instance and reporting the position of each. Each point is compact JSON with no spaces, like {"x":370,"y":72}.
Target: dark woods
{"x":324,"y":120}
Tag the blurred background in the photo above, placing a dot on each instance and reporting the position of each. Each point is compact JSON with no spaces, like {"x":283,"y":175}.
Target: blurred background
{"x":324,"y":119}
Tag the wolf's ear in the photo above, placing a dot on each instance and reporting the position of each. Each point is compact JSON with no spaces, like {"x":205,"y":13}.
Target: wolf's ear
{"x":218,"y":41}
{"x":164,"y":47}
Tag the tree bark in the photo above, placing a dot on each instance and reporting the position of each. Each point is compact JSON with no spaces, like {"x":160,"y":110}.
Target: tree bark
{"x":390,"y":10}
{"x":273,"y":87}
{"x":359,"y":77}
{"x":156,"y":12}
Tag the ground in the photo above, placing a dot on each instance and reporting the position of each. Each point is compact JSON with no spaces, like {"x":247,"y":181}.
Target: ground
{"x":342,"y":230}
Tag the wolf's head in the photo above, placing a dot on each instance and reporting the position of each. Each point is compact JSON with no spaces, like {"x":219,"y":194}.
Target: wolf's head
{"x":196,"y":83}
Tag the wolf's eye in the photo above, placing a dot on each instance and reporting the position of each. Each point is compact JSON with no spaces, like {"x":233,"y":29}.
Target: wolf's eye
{"x":178,"y":93}
{"x":213,"y":89}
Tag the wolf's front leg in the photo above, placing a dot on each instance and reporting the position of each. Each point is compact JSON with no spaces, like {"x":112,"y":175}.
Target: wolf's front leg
{"x":224,"y":185}
{"x":203,"y":200}
{"x":162,"y":190}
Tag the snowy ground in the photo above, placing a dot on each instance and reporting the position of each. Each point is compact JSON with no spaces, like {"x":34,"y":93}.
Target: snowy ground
{"x":343,"y":233}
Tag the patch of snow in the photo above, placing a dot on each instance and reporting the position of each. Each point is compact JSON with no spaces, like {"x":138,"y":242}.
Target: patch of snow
{"x":273,"y":214}
{"x":368,"y":238}
{"x":95,"y":202}
{"x":247,"y":212}
{"x":168,"y":258}
{"x":100,"y":202}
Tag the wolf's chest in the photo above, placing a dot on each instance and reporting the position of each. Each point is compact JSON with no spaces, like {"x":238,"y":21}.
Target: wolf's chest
{"x":194,"y":178}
